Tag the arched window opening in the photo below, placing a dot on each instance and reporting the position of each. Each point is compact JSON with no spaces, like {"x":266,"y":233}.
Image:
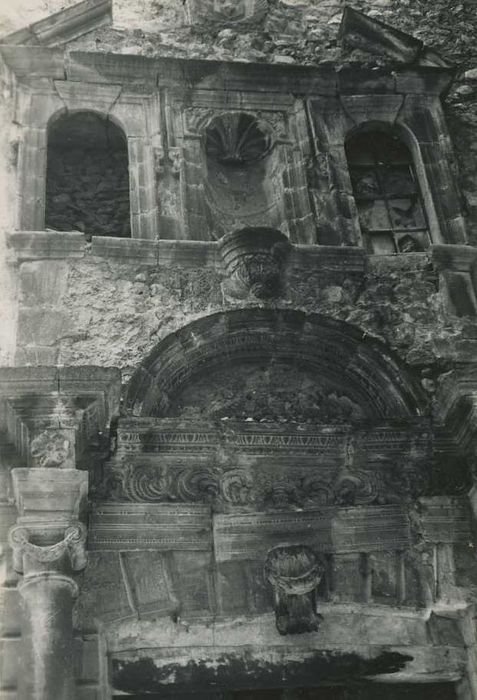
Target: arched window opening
{"x":87,"y":179}
{"x":387,"y":193}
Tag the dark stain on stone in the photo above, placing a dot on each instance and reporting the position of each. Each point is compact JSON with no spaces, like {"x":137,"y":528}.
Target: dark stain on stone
{"x":228,"y":671}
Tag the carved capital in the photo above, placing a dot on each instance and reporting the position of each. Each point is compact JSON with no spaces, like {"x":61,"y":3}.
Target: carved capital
{"x":294,"y":572}
{"x":27,"y":555}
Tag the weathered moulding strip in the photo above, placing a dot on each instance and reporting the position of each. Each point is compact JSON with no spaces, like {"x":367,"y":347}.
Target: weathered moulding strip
{"x":142,"y":526}
{"x":37,"y":245}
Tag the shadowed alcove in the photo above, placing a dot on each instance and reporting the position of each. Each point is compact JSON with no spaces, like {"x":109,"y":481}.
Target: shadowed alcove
{"x":87,"y":181}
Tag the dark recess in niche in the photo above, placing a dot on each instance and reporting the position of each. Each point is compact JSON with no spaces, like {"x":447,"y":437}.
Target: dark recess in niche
{"x":87,"y":180}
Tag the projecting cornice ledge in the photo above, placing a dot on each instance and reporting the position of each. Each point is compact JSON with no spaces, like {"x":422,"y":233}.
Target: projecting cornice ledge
{"x":329,"y":79}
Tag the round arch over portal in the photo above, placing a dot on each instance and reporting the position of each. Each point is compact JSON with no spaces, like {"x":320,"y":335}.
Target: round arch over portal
{"x":338,"y":352}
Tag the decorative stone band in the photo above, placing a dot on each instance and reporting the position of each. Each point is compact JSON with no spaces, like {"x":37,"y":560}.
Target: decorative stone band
{"x":72,"y":545}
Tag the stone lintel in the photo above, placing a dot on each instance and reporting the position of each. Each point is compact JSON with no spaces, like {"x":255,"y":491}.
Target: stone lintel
{"x":269,"y":665}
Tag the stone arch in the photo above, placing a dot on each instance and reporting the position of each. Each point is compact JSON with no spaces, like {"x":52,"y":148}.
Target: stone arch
{"x":87,"y":176}
{"x":328,"y":357}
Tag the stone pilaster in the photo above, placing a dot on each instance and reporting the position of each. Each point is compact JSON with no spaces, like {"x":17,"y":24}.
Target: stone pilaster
{"x":48,"y":591}
{"x":48,"y":544}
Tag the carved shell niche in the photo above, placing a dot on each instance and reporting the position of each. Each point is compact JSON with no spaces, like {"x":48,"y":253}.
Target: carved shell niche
{"x":237,"y":139}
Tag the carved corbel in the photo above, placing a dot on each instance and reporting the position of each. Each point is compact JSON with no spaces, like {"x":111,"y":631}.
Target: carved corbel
{"x":294,"y":572}
{"x":254,"y":261}
{"x":68,"y":553}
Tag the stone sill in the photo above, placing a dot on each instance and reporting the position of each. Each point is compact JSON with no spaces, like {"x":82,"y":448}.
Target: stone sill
{"x":41,"y":245}
{"x":51,"y":245}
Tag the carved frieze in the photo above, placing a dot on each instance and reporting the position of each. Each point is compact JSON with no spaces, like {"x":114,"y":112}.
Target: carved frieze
{"x":258,"y":488}
{"x":294,"y":572}
{"x":170,"y":435}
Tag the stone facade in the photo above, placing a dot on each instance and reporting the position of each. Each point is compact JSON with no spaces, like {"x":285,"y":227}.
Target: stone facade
{"x":238,"y":413}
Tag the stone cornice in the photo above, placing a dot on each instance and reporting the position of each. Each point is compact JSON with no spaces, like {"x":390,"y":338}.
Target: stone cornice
{"x":63,"y":26}
{"x":326,"y":79}
{"x":56,"y":245}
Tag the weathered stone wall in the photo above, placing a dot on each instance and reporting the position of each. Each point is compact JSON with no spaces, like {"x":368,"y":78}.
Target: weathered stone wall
{"x":105,"y":310}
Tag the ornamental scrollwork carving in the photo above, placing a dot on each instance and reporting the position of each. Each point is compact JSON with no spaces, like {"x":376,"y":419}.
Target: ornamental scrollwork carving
{"x":50,"y":449}
{"x":294,"y":572}
{"x":263,"y":489}
{"x":72,"y":545}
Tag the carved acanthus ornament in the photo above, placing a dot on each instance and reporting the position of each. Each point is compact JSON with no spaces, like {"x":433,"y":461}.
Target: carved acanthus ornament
{"x":294,"y":571}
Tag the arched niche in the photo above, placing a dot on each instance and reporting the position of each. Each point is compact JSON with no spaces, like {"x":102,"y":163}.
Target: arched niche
{"x":269,"y":365}
{"x":243,"y":173}
{"x":87,"y":176}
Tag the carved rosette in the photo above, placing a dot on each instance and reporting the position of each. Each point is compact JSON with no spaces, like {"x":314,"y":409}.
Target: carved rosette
{"x":294,"y":571}
{"x":254,"y":260}
{"x":69,"y":551}
{"x":52,"y":449}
